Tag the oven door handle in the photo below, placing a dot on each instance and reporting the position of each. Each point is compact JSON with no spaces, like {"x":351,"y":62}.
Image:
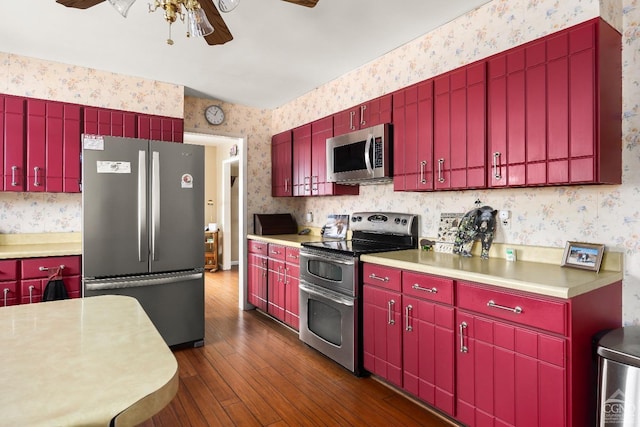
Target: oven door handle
{"x":331,"y":296}
{"x":328,"y":258}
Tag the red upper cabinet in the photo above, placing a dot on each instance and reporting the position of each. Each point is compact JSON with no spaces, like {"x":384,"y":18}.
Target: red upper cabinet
{"x":371,"y":113}
{"x":13,"y":142}
{"x":53,"y":147}
{"x":302,"y":160}
{"x":160,"y":128}
{"x":102,"y":121}
{"x":555,"y":109}
{"x":281,"y":165}
{"x":459,"y":141}
{"x":413,"y":138}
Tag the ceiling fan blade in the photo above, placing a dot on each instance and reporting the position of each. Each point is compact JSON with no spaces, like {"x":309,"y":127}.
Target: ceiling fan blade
{"x":221,"y":33}
{"x":306,"y":3}
{"x":79,"y":4}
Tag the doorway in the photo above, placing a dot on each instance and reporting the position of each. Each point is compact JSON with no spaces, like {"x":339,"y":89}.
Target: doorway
{"x":233,"y":225}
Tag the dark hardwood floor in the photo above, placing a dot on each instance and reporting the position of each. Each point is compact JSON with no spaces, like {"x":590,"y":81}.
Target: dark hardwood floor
{"x":253,"y":371}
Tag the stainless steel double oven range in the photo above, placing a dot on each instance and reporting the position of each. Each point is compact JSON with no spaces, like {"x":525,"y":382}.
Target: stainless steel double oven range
{"x":331,"y":283}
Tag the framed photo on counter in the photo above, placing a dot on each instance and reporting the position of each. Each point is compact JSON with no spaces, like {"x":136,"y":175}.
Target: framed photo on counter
{"x":587,"y":256}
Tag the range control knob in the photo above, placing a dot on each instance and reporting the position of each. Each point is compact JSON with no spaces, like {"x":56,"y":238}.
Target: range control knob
{"x":397,"y":220}
{"x":404,"y":221}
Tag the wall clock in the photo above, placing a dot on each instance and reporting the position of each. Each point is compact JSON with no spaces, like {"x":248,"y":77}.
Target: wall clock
{"x":214,"y":114}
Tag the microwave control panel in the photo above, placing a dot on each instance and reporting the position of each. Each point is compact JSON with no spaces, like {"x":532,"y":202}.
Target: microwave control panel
{"x":377,"y":153}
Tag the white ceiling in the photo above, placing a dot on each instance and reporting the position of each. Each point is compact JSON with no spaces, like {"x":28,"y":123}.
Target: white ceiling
{"x":280,"y":50}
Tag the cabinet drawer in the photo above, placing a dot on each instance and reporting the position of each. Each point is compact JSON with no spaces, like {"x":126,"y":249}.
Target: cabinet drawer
{"x":257,"y":247}
{"x":9,"y":269}
{"x":428,"y":287}
{"x":37,"y":267}
{"x":526,"y":309}
{"x":385,"y":277}
{"x":292,"y":255}
{"x":8,"y":293}
{"x":277,"y":251}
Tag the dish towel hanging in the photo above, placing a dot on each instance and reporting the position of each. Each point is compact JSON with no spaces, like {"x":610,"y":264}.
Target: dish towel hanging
{"x":55,"y":289}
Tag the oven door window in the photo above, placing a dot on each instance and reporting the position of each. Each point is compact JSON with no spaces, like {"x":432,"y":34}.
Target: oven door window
{"x":325,"y":270}
{"x":325,"y":321}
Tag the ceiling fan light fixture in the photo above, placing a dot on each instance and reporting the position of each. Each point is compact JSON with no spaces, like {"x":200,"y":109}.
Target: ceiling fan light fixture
{"x":198,"y":24}
{"x":227,"y":5}
{"x":122,"y":6}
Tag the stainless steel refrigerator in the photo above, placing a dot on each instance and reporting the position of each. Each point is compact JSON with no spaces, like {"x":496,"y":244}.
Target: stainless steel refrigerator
{"x":142,"y":229}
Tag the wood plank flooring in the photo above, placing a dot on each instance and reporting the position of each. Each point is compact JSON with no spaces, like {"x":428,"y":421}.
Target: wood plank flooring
{"x":253,"y":371}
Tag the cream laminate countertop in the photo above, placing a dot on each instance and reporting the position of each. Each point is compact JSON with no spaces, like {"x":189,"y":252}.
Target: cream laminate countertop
{"x":536,"y":277}
{"x":292,"y":240}
{"x":82,"y":361}
{"x":40,"y":245}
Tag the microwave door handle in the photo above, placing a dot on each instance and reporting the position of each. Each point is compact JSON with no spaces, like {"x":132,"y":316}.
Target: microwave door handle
{"x":367,"y":160}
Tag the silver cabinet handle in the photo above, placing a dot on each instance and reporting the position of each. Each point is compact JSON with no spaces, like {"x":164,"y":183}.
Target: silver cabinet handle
{"x":362,"y":120}
{"x":5,"y":292}
{"x":280,"y":275}
{"x":382,"y":279}
{"x":43,"y":268}
{"x":407,"y":314}
{"x":293,"y":256}
{"x":390,"y":305}
{"x":36,"y":173}
{"x":314,"y":183}
{"x":286,"y":279}
{"x":31,"y":293}
{"x":307,"y":184}
{"x":286,"y":185}
{"x":463,"y":348}
{"x":517,"y":309}
{"x":496,"y":157}
{"x":440,"y":164}
{"x":423,"y":165}
{"x":14,"y":171}
{"x":275,"y":251}
{"x":351,"y":116}
{"x":420,"y":288}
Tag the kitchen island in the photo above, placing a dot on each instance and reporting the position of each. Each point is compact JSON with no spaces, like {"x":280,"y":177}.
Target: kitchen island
{"x":90,"y":361}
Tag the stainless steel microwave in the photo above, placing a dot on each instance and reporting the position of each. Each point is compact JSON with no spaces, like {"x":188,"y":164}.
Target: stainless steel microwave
{"x":361,"y":157}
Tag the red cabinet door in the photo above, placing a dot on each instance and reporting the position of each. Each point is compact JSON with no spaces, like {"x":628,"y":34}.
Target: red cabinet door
{"x":257,"y":281}
{"x":302,"y":160}
{"x":281,"y":165}
{"x":382,"y":341}
{"x":371,"y":113}
{"x":413,"y":138}
{"x":37,"y":143}
{"x":320,"y":131}
{"x":428,"y":352}
{"x":508,"y":375}
{"x":292,"y":292}
{"x":14,"y":139}
{"x":71,"y":173}
{"x":459,"y":128}
{"x":276,"y":289}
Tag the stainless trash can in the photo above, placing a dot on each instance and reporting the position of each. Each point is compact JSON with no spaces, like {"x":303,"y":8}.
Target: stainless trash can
{"x":619,"y":378}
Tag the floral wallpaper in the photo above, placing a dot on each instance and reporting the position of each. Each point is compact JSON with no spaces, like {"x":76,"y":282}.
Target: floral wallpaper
{"x":37,"y":78}
{"x":540,"y":216}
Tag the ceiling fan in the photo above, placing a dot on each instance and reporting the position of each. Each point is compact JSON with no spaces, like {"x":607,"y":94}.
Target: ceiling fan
{"x":220,"y":34}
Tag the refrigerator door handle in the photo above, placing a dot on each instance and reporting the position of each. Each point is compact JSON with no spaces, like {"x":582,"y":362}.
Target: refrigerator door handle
{"x":142,"y":203}
{"x":155,"y":202}
{"x":135,"y":282}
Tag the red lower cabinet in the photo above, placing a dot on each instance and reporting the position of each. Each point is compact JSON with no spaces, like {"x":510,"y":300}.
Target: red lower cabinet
{"x":486,"y":355}
{"x":9,"y":282}
{"x":35,"y":276}
{"x":509,"y":375}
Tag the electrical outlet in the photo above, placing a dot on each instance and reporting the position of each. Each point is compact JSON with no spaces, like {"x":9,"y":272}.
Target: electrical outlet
{"x":505,"y":218}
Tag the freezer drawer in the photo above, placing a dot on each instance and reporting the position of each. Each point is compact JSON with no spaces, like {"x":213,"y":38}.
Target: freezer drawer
{"x":173,"y":302}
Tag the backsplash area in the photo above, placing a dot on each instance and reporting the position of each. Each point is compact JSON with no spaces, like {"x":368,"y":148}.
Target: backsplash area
{"x":40,"y":213}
